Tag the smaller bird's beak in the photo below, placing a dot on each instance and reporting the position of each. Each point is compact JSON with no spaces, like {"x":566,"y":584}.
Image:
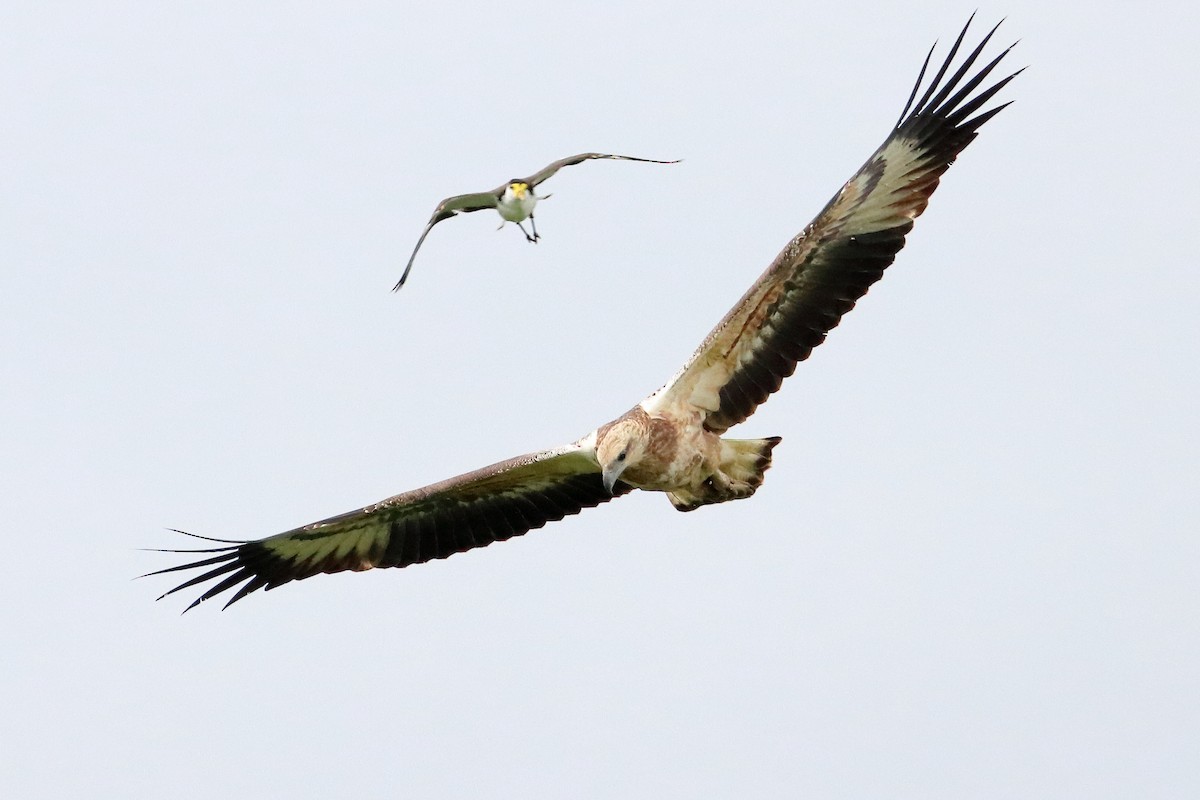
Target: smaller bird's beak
{"x":611,"y":473}
{"x":519,"y":190}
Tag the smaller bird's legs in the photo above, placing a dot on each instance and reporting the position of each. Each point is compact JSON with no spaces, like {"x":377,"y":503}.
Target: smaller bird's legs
{"x":532,"y":239}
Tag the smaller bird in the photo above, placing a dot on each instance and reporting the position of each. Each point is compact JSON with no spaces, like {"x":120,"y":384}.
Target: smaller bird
{"x":514,"y":201}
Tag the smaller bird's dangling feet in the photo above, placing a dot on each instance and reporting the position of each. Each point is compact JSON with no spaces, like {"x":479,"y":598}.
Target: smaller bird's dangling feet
{"x":535,"y":237}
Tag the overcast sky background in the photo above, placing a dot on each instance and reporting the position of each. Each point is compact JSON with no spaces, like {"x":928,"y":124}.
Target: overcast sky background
{"x":974,"y":570}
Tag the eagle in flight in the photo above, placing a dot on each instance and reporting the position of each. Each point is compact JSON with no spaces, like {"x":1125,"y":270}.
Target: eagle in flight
{"x":514,"y":201}
{"x":673,"y":440}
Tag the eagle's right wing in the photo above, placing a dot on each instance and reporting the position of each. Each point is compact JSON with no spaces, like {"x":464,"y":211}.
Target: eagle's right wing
{"x":472,"y":510}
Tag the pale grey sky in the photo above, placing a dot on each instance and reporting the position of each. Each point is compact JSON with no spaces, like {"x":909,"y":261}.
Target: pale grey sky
{"x":971,"y":572}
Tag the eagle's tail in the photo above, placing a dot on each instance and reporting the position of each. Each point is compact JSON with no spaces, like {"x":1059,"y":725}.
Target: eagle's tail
{"x":743,"y":462}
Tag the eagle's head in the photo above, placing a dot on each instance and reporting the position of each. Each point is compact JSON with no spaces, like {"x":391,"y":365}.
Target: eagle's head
{"x":619,"y":446}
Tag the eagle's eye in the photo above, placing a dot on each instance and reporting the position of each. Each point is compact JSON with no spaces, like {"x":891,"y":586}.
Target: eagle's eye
{"x":622,"y":456}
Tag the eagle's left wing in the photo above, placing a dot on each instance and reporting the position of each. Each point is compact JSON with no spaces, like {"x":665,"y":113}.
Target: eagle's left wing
{"x":823,"y":271}
{"x":472,"y":510}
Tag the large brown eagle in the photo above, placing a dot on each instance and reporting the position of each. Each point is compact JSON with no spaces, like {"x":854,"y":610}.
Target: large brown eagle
{"x":672,"y":441}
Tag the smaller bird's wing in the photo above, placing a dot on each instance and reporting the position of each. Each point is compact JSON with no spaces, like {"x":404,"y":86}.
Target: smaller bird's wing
{"x":472,"y":510}
{"x":823,"y":272}
{"x":459,"y":204}
{"x":548,"y":171}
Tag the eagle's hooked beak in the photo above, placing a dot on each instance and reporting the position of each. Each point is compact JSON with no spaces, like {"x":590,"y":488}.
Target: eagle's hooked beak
{"x":611,"y":473}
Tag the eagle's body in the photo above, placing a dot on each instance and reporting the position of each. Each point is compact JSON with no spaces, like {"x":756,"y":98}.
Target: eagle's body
{"x":671,"y":451}
{"x":673,"y":441}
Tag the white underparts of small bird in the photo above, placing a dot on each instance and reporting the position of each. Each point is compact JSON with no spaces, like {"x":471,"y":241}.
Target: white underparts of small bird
{"x":674,"y":440}
{"x":517,"y":204}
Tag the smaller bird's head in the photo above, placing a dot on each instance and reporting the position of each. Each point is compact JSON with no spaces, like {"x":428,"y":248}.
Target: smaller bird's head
{"x":620,"y":446}
{"x":518,"y":188}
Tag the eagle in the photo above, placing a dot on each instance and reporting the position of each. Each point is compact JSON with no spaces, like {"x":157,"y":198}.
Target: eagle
{"x":673,"y":441}
{"x":514,"y":201}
